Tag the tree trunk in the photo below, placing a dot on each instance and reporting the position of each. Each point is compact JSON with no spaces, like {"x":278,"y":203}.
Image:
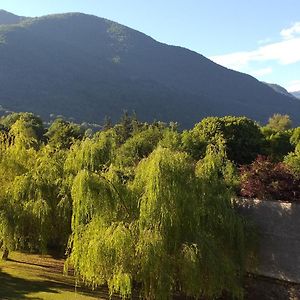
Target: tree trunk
{"x":5,"y":254}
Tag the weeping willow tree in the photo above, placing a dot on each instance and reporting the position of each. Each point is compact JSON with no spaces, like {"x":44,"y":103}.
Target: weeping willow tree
{"x":103,"y":224}
{"x":172,"y":229}
{"x":169,"y":227}
{"x":38,"y":209}
{"x":16,"y":157}
{"x":45,"y":221}
{"x":92,"y":154}
{"x":34,"y":214}
{"x":139,"y":146}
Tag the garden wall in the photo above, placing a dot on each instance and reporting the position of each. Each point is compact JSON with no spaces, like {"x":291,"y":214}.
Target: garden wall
{"x":279,"y":233}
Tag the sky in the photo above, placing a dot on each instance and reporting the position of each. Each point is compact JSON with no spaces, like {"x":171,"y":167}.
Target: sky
{"x":258,"y":37}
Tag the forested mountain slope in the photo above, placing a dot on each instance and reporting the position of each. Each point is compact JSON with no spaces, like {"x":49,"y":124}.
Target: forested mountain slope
{"x":296,"y":94}
{"x":86,"y":67}
{"x":7,"y":18}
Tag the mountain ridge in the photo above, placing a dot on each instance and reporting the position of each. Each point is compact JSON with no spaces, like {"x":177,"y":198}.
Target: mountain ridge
{"x":279,"y":89}
{"x":87,"y":67}
{"x":296,"y":94}
{"x":7,"y":18}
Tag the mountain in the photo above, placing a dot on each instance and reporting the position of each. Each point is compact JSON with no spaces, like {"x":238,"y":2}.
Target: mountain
{"x":86,"y":67}
{"x":279,"y":89}
{"x":296,"y":94}
{"x":282,"y":90}
{"x":7,"y":18}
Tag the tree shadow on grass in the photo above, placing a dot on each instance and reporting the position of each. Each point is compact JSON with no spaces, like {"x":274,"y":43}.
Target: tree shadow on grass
{"x":28,"y":263}
{"x":12,"y":287}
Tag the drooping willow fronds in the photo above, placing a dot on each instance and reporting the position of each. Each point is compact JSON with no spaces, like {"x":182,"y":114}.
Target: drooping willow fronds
{"x":136,"y":206}
{"x":185,"y":238}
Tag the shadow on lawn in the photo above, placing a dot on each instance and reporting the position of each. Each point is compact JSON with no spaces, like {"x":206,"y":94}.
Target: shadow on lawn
{"x":28,"y":263}
{"x":12,"y":287}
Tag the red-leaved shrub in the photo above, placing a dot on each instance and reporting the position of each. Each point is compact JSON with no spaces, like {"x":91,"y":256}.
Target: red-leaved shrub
{"x":266,"y":180}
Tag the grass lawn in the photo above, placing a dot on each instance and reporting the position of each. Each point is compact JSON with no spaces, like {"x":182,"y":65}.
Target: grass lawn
{"x":29,"y":276}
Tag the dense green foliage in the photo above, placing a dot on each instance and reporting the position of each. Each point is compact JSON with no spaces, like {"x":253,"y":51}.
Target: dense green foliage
{"x":135,"y":204}
{"x":277,"y":144}
{"x":241,"y":136}
{"x":279,"y":122}
{"x":148,"y":231}
{"x":293,"y":158}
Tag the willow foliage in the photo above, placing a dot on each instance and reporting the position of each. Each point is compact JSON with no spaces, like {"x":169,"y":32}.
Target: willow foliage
{"x":92,"y":154}
{"x":178,"y":231}
{"x":38,"y":194}
{"x":138,"y":147}
{"x":102,"y":241}
{"x":16,"y":158}
{"x":32,"y":178}
{"x":136,"y":209}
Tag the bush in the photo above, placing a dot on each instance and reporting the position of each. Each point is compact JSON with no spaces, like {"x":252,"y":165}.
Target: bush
{"x":241,"y":135}
{"x":277,"y":144}
{"x":266,"y":180}
{"x":292,"y":160}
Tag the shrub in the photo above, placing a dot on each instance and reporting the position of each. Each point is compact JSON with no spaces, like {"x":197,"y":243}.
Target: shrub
{"x":241,"y":135}
{"x":292,"y":160}
{"x":277,"y":144}
{"x":266,"y":180}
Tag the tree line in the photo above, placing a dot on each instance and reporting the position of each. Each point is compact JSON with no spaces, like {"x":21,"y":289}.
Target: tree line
{"x":138,"y":205}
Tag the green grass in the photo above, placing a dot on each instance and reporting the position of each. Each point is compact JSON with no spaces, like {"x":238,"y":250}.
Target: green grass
{"x":28,"y":276}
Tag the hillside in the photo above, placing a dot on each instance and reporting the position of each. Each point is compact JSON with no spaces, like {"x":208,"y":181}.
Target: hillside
{"x":7,"y":18}
{"x":279,"y":89}
{"x":296,"y":94}
{"x":87,"y":67}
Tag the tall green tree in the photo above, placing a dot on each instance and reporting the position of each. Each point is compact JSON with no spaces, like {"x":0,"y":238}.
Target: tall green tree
{"x":62,"y":134}
{"x":277,"y":143}
{"x":279,"y":122}
{"x":34,"y":212}
{"x":293,"y":158}
{"x":31,"y":121}
{"x":241,"y":136}
{"x":173,"y":228}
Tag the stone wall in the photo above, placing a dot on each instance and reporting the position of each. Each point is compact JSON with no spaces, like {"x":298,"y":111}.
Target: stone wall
{"x":279,"y":237}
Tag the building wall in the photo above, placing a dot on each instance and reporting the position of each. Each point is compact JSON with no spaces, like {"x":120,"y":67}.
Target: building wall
{"x":278,"y":225}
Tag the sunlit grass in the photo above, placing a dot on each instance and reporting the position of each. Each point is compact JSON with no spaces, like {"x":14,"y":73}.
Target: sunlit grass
{"x":28,"y":276}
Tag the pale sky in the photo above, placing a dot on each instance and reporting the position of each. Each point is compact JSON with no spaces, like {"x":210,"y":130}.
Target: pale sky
{"x":258,"y":37}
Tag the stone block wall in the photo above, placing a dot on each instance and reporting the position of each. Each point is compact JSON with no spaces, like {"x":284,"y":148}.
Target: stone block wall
{"x":278,"y":225}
